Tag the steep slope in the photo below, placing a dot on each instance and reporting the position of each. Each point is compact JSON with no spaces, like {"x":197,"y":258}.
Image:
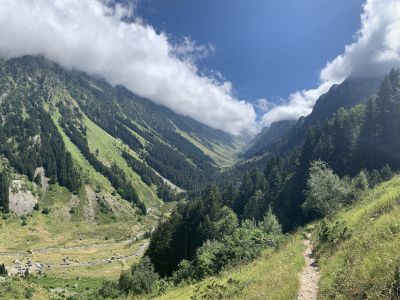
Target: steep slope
{"x":344,"y":95}
{"x":181,"y":150}
{"x":358,"y":248}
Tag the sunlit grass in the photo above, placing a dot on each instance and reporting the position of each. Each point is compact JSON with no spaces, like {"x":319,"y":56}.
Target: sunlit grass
{"x":365,"y":265}
{"x":274,"y":275}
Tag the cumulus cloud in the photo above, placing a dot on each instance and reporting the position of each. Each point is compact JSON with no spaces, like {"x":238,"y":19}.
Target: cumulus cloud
{"x":374,"y":52}
{"x":105,"y":39}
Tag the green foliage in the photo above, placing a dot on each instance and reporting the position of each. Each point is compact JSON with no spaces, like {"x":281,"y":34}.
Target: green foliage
{"x":216,"y":290}
{"x":109,"y":289}
{"x":140,"y":279}
{"x":3,"y":270}
{"x":331,"y":234}
{"x":4,"y":191}
{"x":252,"y":209}
{"x":28,"y":293}
{"x":188,"y":227}
{"x":358,"y":248}
{"x":114,"y":173}
{"x":270,"y":224}
{"x":326,"y":191}
{"x":240,"y":246}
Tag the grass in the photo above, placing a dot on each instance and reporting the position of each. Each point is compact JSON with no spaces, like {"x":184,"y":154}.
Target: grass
{"x":20,"y":289}
{"x":223,"y":156}
{"x":366,"y":263}
{"x":90,"y":175}
{"x":110,"y":151}
{"x":272,"y":276}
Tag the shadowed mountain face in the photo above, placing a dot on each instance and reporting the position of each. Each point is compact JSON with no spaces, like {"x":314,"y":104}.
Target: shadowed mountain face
{"x":268,"y":135}
{"x":345,"y":95}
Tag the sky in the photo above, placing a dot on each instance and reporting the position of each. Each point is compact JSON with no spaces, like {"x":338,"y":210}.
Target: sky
{"x":266,"y":49}
{"x":233,"y":65}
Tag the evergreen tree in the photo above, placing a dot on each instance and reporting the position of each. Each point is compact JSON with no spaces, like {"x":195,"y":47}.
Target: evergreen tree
{"x":4,"y":191}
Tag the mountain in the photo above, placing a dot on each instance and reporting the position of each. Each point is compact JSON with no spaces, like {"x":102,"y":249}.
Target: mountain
{"x":151,"y":139}
{"x":267,"y":136}
{"x":363,"y":137}
{"x":87,"y":171}
{"x":344,"y":95}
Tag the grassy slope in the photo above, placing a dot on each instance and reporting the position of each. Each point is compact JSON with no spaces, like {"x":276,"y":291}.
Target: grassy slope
{"x":223,"y":156}
{"x":110,"y":151}
{"x":272,"y":276}
{"x":366,"y":265}
{"x":61,"y":228}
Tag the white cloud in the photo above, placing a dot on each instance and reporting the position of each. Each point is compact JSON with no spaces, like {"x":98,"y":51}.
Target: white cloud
{"x":374,"y":52}
{"x":263,"y":105}
{"x":94,"y":37}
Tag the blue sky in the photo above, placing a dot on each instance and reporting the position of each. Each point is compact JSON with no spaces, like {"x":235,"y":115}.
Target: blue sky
{"x":265,"y":48}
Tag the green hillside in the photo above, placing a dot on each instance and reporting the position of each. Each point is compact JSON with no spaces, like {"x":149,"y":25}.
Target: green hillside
{"x":358,"y":249}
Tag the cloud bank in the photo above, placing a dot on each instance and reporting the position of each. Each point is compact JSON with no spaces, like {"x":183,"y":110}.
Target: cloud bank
{"x":95,"y":37}
{"x":374,"y":52}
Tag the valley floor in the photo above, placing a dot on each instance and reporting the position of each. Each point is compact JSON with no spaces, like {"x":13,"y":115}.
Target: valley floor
{"x":357,"y":251}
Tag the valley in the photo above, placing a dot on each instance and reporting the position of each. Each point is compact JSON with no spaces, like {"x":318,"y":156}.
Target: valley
{"x":106,"y":195}
{"x":199,"y":150}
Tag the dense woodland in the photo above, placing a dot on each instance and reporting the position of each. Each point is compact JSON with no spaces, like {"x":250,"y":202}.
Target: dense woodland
{"x":29,"y":139}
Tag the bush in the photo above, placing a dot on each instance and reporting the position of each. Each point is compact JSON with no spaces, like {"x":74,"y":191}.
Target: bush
{"x":331,"y":234}
{"x":241,"y":246}
{"x":270,"y":225}
{"x":326,"y":192}
{"x":140,"y":279}
{"x":46,"y":211}
{"x":23,"y":219}
{"x":28,"y":293}
{"x":109,"y":289}
{"x":3,"y":270}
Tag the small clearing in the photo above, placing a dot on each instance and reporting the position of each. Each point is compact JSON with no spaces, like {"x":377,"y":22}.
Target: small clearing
{"x":309,"y":277}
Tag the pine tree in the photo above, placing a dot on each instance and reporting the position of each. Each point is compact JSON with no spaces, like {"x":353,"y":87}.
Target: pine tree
{"x":4,"y":191}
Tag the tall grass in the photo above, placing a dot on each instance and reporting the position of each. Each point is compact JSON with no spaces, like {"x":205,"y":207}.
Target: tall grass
{"x":366,"y":263}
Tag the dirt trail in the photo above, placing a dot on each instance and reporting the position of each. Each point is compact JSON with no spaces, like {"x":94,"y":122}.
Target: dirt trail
{"x":309,"y":277}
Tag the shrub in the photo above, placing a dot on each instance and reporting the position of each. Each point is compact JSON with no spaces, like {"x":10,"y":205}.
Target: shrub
{"x":270,"y":225}
{"x":46,"y":211}
{"x":241,"y":246}
{"x":331,"y":234}
{"x":109,"y":289}
{"x":326,"y":192}
{"x":140,"y":279}
{"x":28,"y":293}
